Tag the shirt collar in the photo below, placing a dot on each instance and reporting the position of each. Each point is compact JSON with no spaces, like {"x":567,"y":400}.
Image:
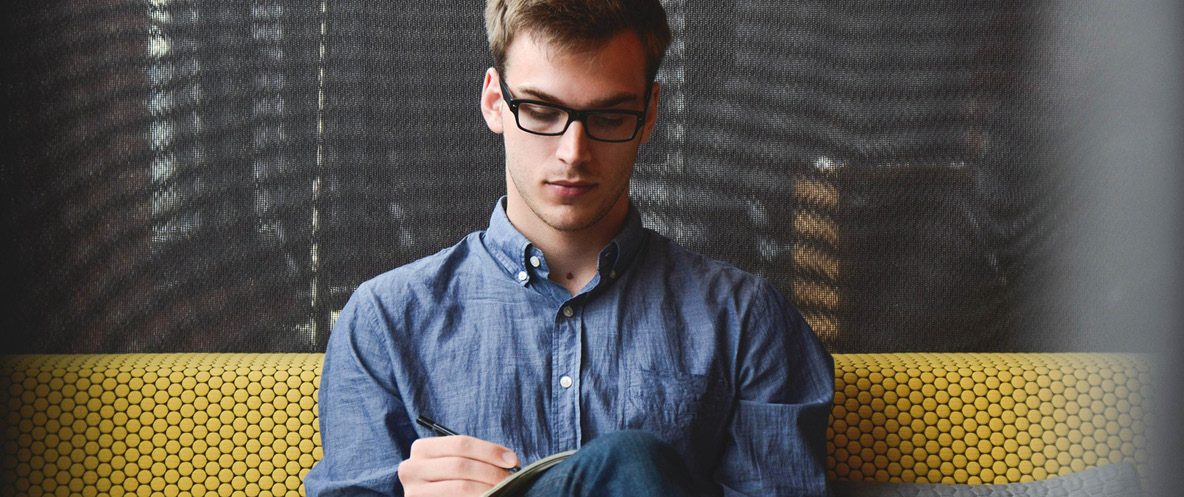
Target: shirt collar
{"x":513,"y":250}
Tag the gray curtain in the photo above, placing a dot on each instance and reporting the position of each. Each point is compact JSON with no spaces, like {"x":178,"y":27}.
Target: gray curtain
{"x":220,"y":175}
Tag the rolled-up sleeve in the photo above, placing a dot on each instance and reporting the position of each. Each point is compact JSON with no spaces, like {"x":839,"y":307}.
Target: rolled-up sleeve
{"x":362,"y":417}
{"x":776,"y":443}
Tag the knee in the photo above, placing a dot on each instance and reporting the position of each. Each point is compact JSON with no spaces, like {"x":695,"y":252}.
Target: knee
{"x":620,"y":463}
{"x":630,"y":440}
{"x":636,"y":445}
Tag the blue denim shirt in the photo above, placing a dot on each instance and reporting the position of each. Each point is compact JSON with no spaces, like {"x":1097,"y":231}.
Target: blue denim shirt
{"x":711,"y":359}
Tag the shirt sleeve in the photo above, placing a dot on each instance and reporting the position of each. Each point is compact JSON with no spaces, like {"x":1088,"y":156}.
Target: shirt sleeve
{"x":776,"y":442}
{"x":361,"y":413}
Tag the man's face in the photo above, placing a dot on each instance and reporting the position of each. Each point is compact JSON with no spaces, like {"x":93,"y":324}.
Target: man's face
{"x":569,"y":182}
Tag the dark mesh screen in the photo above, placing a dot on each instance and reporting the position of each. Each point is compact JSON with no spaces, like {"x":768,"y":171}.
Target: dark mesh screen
{"x":220,"y":175}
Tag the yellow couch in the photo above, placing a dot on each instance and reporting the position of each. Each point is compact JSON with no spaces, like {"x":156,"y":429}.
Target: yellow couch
{"x":246,"y":424}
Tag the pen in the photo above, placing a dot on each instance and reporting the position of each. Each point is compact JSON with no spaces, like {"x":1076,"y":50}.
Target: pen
{"x":436,"y":428}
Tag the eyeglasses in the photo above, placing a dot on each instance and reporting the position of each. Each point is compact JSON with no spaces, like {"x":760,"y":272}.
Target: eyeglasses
{"x":547,"y":119}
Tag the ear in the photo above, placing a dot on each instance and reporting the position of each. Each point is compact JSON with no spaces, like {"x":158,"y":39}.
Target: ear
{"x":651,"y":114}
{"x":491,"y":101}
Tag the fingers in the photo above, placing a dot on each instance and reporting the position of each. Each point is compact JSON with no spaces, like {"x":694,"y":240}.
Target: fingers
{"x":454,"y":466}
{"x":443,"y":469}
{"x":465,"y":447}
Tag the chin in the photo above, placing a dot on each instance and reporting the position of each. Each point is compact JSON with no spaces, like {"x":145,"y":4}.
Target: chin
{"x":569,"y":225}
{"x":573,"y":221}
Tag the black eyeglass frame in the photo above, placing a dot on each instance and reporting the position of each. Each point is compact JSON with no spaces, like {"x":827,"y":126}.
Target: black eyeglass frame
{"x":573,"y":114}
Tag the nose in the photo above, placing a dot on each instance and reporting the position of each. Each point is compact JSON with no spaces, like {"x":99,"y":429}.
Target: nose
{"x":573,"y":144}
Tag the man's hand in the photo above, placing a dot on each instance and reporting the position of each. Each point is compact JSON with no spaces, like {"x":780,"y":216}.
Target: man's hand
{"x":454,"y":466}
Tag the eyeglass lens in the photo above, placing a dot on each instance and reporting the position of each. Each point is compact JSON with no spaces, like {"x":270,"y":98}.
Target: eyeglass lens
{"x":601,"y":125}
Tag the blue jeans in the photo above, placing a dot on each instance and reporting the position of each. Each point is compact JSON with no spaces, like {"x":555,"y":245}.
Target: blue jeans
{"x":626,"y":463}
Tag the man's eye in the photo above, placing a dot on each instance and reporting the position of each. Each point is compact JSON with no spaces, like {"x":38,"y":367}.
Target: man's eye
{"x":541,"y":113}
{"x":608,"y":120}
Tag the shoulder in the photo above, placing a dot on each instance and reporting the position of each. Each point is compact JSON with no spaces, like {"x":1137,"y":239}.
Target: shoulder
{"x":747,"y":307}
{"x":424,"y":277}
{"x":689,"y":266}
{"x":715,"y":287}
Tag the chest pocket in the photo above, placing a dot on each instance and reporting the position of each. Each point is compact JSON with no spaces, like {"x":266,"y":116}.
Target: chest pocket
{"x":680,"y":409}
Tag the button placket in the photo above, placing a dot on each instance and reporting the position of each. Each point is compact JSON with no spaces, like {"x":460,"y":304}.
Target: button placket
{"x":568,"y":312}
{"x":566,"y":366}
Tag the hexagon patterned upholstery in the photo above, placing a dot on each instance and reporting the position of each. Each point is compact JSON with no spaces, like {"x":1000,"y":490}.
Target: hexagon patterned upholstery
{"x":985,"y":418}
{"x":159,"y":424}
{"x":245,"y":424}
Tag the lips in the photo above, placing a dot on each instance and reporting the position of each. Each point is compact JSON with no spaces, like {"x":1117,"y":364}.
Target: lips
{"x":570,"y":188}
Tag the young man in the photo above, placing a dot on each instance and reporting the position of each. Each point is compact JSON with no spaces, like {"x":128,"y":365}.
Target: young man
{"x":566,"y":324}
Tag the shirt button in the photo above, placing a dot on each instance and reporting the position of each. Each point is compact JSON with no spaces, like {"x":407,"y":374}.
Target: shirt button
{"x":522,"y":276}
{"x":568,"y":311}
{"x":534,"y":261}
{"x":565,"y":382}
{"x":612,"y":274}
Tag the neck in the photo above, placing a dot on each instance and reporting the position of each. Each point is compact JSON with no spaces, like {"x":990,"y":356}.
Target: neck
{"x":571,"y":254}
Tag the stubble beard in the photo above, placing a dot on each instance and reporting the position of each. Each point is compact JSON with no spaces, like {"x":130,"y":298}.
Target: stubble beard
{"x":578,"y":224}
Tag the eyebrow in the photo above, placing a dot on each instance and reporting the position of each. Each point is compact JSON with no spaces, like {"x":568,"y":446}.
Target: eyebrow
{"x":610,"y":101}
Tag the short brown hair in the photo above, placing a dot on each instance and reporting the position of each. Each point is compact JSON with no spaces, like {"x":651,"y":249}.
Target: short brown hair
{"x":571,"y":25}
